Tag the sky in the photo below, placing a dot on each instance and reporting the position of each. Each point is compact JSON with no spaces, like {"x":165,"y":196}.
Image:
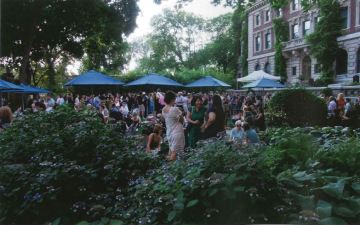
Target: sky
{"x":149,"y":9}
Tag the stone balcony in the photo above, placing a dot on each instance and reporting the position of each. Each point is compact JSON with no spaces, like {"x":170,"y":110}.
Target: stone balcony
{"x":294,"y":47}
{"x":295,"y":44}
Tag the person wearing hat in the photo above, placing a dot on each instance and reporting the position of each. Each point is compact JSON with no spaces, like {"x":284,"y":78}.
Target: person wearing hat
{"x":237,"y":133}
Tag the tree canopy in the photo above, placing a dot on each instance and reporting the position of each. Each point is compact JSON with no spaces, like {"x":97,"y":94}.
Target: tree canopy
{"x":43,"y":33}
{"x":182,"y":41}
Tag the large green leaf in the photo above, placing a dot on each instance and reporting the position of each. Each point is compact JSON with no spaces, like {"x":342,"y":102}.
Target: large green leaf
{"x":192,"y":203}
{"x":344,"y":211}
{"x":171,"y":216}
{"x":332,"y":221}
{"x":56,"y":222}
{"x":116,"y":222}
{"x":303,"y":176}
{"x":356,"y":187}
{"x":306,"y":202}
{"x":104,"y":221}
{"x":354,"y":204}
{"x":323,"y":209}
{"x":335,"y":189}
{"x":83,"y":223}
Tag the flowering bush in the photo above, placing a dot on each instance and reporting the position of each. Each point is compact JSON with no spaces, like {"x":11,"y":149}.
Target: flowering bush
{"x":65,"y":164}
{"x":66,"y":168}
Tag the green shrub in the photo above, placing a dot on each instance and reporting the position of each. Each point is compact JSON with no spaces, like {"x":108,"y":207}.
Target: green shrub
{"x":214,"y":185}
{"x":290,"y":150}
{"x":67,"y":167}
{"x":66,"y":164}
{"x":297,"y":107}
{"x":327,"y":92}
{"x":344,"y":157}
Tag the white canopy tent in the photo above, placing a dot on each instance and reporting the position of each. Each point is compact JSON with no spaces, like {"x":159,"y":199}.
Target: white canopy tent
{"x":257,"y":75}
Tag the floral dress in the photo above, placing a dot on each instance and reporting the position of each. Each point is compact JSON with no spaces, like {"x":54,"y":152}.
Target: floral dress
{"x":174,"y":129}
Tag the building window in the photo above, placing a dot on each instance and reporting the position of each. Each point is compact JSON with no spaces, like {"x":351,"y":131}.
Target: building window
{"x":293,"y":70}
{"x":316,"y":21}
{"x":344,"y":15}
{"x":294,"y":5}
{"x":267,"y":40}
{"x":267,"y":15}
{"x":257,"y":43}
{"x":279,"y":12}
{"x":257,"y":67}
{"x":358,"y":61}
{"x":267,"y":68}
{"x":295,"y":31}
{"x":317,"y":68}
{"x":306,"y":27}
{"x":257,"y":20}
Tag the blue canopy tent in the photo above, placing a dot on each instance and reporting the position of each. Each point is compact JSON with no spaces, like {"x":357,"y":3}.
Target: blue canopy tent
{"x":28,"y":89}
{"x":7,"y":86}
{"x":208,"y":82}
{"x":154,"y":80}
{"x":94,"y":78}
{"x":264,"y":83}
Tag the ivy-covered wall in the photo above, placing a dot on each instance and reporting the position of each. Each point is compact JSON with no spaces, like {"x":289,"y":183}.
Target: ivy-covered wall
{"x":323,"y":41}
{"x":244,"y":45}
{"x":281,"y":29}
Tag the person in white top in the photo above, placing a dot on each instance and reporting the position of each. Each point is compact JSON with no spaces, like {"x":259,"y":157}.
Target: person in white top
{"x":77,"y":103}
{"x":60,"y":100}
{"x":124,"y":109}
{"x":174,"y":126}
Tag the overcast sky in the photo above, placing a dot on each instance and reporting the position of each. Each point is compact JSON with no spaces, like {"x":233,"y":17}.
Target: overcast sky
{"x":148,"y":9}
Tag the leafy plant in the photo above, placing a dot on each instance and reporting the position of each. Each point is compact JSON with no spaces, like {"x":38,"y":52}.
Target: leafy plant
{"x":68,"y":168}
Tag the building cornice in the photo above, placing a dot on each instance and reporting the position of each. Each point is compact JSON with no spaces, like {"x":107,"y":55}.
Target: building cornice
{"x":258,"y":4}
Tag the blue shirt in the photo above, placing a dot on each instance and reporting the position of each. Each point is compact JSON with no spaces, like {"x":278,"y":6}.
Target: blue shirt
{"x":252,"y":136}
{"x":237,"y":134}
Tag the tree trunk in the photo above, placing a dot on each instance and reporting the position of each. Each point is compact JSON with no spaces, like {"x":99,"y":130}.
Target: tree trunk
{"x":25,"y":75}
{"x":51,"y":72}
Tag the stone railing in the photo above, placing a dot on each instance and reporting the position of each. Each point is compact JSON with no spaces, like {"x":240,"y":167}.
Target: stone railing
{"x":294,"y":44}
{"x":349,"y":91}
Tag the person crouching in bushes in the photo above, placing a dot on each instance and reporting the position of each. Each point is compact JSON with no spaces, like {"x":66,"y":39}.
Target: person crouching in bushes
{"x":154,"y":140}
{"x":5,"y":117}
{"x":237,"y":133}
{"x":135,"y":122}
{"x":251,"y":137}
{"x":104,"y":114}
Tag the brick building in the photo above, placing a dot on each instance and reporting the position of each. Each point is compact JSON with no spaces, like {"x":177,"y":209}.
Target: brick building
{"x":301,"y":66}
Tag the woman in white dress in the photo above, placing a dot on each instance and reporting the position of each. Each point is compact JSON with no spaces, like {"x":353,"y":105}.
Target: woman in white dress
{"x":174,"y":126}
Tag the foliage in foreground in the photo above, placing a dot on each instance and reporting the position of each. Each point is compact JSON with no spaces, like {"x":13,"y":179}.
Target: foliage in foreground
{"x":67,"y":167}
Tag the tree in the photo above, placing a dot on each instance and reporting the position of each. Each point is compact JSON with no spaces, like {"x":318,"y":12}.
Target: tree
{"x":323,"y":41}
{"x":46,"y":31}
{"x":175,"y":39}
{"x":220,"y":52}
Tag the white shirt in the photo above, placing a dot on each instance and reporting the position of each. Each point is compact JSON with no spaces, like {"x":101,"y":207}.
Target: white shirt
{"x":60,"y":101}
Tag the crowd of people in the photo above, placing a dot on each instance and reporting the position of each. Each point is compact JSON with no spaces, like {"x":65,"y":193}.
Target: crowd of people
{"x":185,"y":117}
{"x":181,"y":118}
{"x":342,"y":111}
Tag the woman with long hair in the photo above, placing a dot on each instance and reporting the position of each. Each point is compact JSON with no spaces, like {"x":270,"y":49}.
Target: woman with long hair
{"x":216,"y":119}
{"x":195,"y":118}
{"x":174,"y":126}
{"x":5,"y":117}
